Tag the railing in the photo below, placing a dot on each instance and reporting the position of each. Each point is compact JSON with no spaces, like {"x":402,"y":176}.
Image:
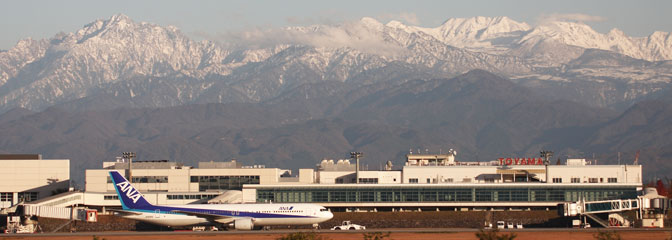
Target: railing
{"x":594,"y":207}
{"x":598,"y":220}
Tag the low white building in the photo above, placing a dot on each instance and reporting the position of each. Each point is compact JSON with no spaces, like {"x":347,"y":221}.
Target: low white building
{"x":630,"y":174}
{"x":164,"y":182}
{"x":425,"y":180}
{"x":28,"y":177}
{"x":439,"y":180}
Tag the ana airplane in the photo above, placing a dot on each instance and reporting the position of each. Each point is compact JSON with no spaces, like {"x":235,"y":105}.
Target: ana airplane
{"x":238,"y":216}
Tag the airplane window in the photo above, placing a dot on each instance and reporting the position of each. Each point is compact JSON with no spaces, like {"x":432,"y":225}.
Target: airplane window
{"x":323,"y":210}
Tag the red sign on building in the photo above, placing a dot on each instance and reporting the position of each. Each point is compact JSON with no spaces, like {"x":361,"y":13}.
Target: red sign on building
{"x":521,"y":161}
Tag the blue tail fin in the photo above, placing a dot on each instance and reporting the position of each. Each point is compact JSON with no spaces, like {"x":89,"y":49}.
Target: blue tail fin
{"x":129,"y":196}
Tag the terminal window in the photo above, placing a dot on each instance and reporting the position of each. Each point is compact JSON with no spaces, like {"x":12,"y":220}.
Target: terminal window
{"x":612,"y":180}
{"x":592,"y":180}
{"x":368,"y":180}
{"x":484,"y":195}
{"x":190,"y":196}
{"x":557,"y":180}
{"x":387,"y":196}
{"x":442,"y":194}
{"x":412,"y":180}
{"x":145,"y":179}
{"x":111,"y":197}
{"x":6,"y":197}
{"x":28,"y":196}
{"x":224,"y":182}
{"x":576,"y":180}
{"x":367,"y":196}
{"x":150,"y":179}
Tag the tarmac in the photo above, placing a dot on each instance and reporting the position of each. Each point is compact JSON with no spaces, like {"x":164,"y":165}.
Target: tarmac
{"x":394,"y":233}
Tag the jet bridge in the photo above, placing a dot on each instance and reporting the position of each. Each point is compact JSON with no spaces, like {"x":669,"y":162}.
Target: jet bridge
{"x":651,"y":209}
{"x":23,"y":218}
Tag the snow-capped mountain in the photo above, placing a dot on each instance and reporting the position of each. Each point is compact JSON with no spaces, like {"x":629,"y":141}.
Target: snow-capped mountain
{"x":71,"y":65}
{"x":472,"y":33}
{"x":655,"y":47}
{"x":497,"y":33}
{"x":141,"y":64}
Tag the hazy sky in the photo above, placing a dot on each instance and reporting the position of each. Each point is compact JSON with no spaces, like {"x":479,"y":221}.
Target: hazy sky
{"x":43,"y":19}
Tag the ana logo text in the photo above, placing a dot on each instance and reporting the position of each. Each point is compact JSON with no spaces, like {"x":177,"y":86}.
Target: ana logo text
{"x":131,"y":193}
{"x":287,"y":208}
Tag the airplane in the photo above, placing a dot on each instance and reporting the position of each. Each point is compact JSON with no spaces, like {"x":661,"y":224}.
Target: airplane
{"x":236,"y":216}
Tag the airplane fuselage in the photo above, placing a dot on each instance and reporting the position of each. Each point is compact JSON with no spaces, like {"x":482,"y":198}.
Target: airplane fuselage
{"x":239,"y":216}
{"x":260,"y":214}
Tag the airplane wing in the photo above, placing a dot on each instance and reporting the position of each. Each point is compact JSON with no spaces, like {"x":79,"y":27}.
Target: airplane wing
{"x":125,"y":212}
{"x":209,"y":217}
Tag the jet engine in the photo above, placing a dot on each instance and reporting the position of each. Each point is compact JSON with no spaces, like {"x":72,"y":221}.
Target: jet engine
{"x":243,"y":224}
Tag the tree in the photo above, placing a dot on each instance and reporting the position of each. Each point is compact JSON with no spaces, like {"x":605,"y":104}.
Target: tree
{"x":494,"y":235}
{"x":660,"y":187}
{"x":607,"y":236}
{"x":302,"y":236}
{"x":376,"y":236}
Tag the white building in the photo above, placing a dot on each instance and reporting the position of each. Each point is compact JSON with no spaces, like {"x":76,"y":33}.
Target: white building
{"x":28,"y":177}
{"x":439,"y":180}
{"x":164,"y":182}
{"x":425,"y":180}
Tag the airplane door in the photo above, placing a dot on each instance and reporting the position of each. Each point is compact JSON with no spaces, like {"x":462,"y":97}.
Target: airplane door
{"x":157,"y":213}
{"x":314,"y":211}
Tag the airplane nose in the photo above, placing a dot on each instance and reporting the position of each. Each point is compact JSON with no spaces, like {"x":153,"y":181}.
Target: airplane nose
{"x":329,"y":215}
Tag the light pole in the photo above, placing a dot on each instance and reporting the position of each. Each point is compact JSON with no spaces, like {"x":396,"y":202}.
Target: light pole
{"x":546,"y":155}
{"x":356,"y":156}
{"x":129,"y":156}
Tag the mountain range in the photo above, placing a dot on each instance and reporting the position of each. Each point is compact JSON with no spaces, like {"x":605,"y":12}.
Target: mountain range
{"x":487,"y":86}
{"x":146,"y":65}
{"x":473,"y":113}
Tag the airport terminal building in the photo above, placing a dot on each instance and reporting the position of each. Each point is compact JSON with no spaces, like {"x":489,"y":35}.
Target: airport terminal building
{"x":28,"y":177}
{"x":425,"y":181}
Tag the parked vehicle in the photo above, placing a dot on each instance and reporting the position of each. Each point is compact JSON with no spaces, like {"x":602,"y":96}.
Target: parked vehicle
{"x":509,"y":225}
{"x":347,"y":225}
{"x":204,"y":228}
{"x":519,"y":225}
{"x":500,"y":224}
{"x":576,"y":223}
